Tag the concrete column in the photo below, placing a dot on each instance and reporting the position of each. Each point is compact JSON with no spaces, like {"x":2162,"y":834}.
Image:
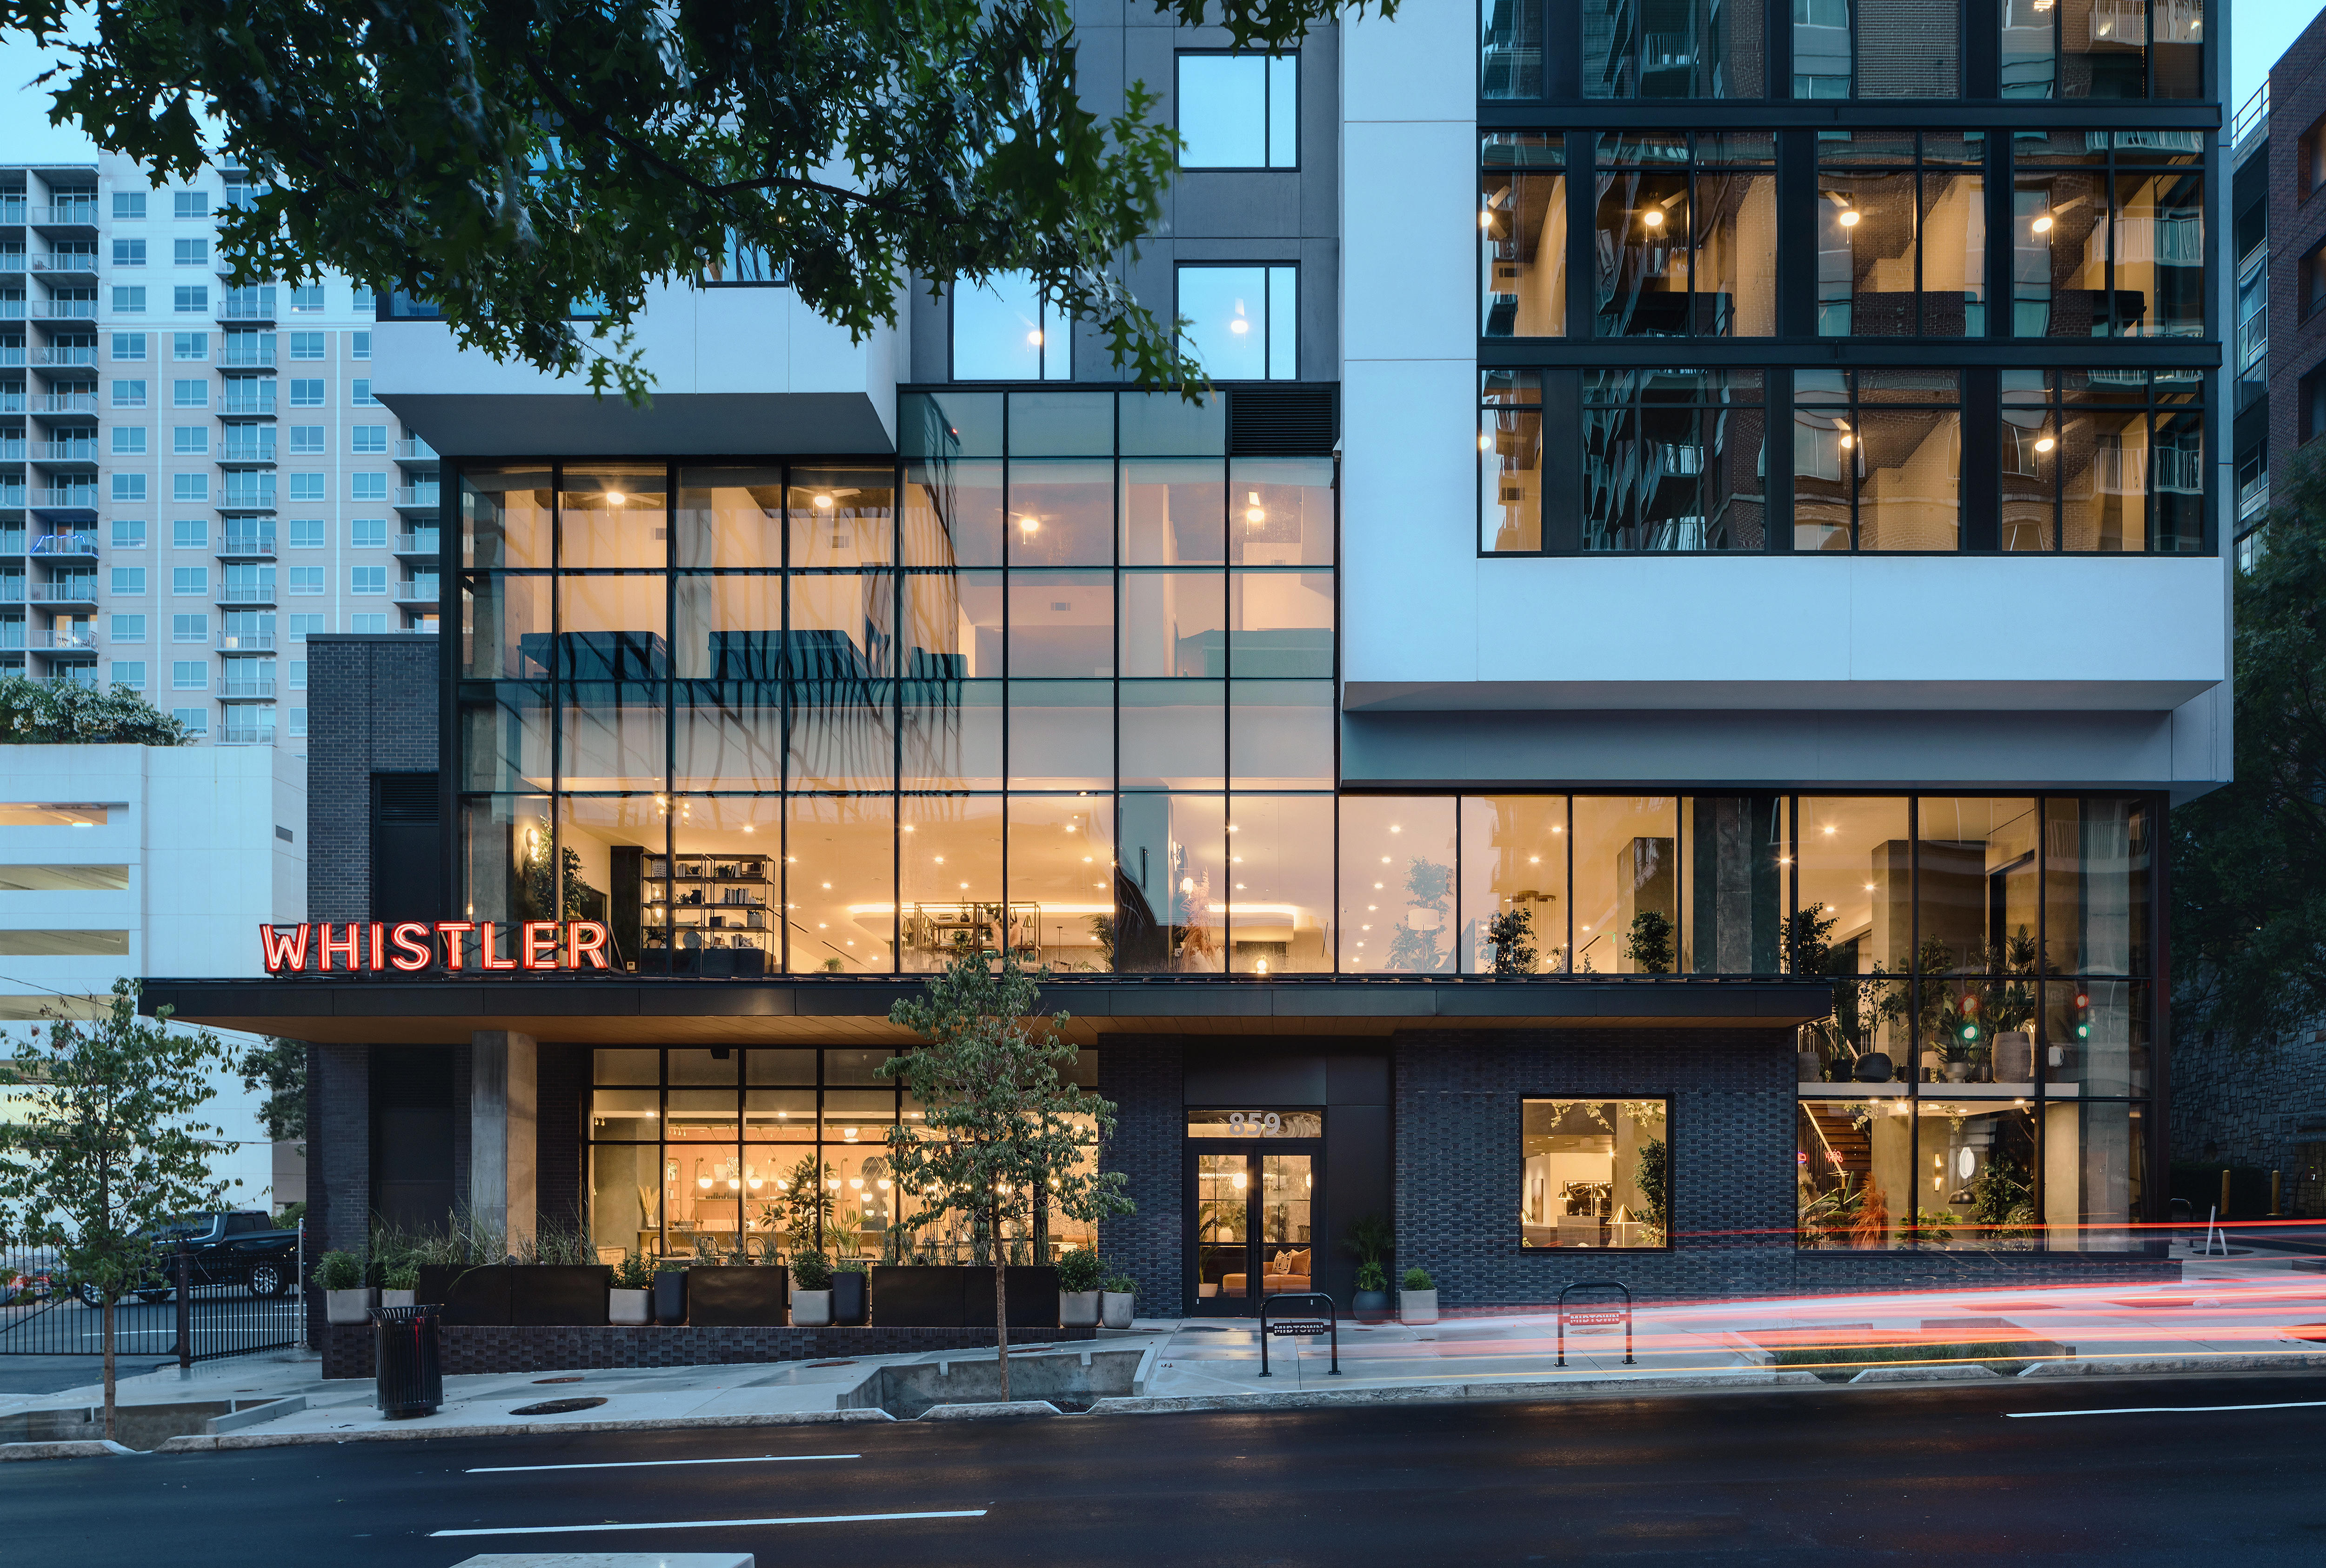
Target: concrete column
{"x":503,"y":1085}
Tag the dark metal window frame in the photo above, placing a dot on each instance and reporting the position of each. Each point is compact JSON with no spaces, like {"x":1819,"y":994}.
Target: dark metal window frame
{"x":1669,"y":1101}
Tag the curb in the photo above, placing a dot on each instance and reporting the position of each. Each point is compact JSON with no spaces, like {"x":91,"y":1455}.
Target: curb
{"x":404,"y":1431}
{"x":77,"y":1448}
{"x":992,"y":1411}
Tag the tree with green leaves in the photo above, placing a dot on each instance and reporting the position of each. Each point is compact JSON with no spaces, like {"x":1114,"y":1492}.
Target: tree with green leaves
{"x":280,"y":1068}
{"x":534,"y":168}
{"x":1001,"y":1129}
{"x":107,"y":1151}
{"x":2248,"y":900}
{"x":67,"y":713}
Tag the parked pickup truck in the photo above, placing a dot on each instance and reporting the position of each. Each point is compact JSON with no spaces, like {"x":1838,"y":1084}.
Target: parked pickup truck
{"x":228,"y":1248}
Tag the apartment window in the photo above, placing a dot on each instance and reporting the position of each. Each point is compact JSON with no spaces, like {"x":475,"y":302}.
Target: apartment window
{"x":129,"y":344}
{"x":362,"y":302}
{"x":2108,"y":234}
{"x":1522,"y":233}
{"x":128,"y":628}
{"x":129,"y":300}
{"x":190,"y":204}
{"x":368,"y":487}
{"x":366,"y":440}
{"x":129,"y":206}
{"x":298,"y":724}
{"x":306,"y":579}
{"x":369,"y":534}
{"x":1684,"y":49}
{"x":304,"y":626}
{"x":189,"y":581}
{"x":1239,"y":111}
{"x":296,"y":677}
{"x":128,"y":395}
{"x":189,"y":441}
{"x":306,"y":488}
{"x":376,"y":625}
{"x":307,"y":298}
{"x":305,"y":393}
{"x":368,"y":579}
{"x":1594,"y":1173}
{"x":307,"y":345}
{"x":129,"y":253}
{"x":306,"y":533}
{"x":1243,"y":320}
{"x":190,"y":344}
{"x":197,"y":721}
{"x":358,"y":345}
{"x":129,"y":440}
{"x":190,"y":628}
{"x":189,"y":675}
{"x":129,"y":533}
{"x":1685,"y":235}
{"x":189,"y":393}
{"x":1902,"y":246}
{"x":2312,"y":281}
{"x":129,"y":580}
{"x":190,"y":489}
{"x":2111,"y":48}
{"x":190,"y":533}
{"x":1877,"y":461}
{"x":306,"y":440}
{"x":189,"y":253}
{"x":359,"y":393}
{"x":190,"y":299}
{"x":1003,"y":329}
{"x":128,"y":489}
{"x":130,"y":673}
{"x":1877,"y":49}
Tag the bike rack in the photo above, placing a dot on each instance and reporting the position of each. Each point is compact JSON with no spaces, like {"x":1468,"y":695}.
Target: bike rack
{"x":1299,"y":1328}
{"x":1604,"y":1315}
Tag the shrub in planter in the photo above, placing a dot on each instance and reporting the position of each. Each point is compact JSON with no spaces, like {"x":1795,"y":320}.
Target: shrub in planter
{"x":1117,"y":1296}
{"x":812,"y":1300}
{"x":1417,"y":1298}
{"x":851,"y":1293}
{"x":1080,"y":1274}
{"x":399,"y":1285}
{"x":1371,"y":1303}
{"x":346,"y":1298}
{"x":469,"y":1293}
{"x":630,"y":1299}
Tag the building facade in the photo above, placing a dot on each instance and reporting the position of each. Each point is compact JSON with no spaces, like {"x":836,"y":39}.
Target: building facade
{"x":1650,"y":689}
{"x":194,"y":476}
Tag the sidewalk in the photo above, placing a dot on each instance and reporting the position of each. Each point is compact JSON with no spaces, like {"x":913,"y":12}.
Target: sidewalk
{"x":2228,"y":1314}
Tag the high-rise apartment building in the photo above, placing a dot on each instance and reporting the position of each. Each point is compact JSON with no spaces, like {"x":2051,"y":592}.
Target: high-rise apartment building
{"x":194,"y":476}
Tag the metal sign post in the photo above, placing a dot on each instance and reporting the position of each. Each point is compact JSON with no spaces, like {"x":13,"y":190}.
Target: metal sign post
{"x":1596,"y":1317}
{"x":1300,"y":1328}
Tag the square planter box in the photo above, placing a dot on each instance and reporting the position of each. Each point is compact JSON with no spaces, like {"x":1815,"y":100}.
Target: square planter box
{"x":477,"y":1297}
{"x":752,"y":1296}
{"x":546,"y":1295}
{"x":922,"y":1296}
{"x":852,"y":1298}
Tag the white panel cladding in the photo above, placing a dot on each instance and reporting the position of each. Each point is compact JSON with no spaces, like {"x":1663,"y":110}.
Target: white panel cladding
{"x":1422,"y":65}
{"x":1409,"y":575}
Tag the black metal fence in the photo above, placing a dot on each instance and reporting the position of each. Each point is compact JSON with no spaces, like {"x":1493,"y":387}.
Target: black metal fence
{"x":181,"y":1311}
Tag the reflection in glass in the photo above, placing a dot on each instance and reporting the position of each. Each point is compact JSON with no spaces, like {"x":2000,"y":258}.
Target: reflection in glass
{"x":1854,"y":1174}
{"x":1061,"y":623}
{"x":1514,"y":901}
{"x":1692,"y":49}
{"x":842,"y":627}
{"x":1061,"y":734}
{"x":1172,"y":879}
{"x":1397,"y":885}
{"x":2095,"y":1175}
{"x":1280,"y":511}
{"x":953,"y":626}
{"x":1640,"y":240}
{"x":507,"y":637}
{"x":1626,"y":884}
{"x":1175,"y":623}
{"x":1062,"y":878}
{"x":1510,"y":462}
{"x":2096,"y":1036}
{"x":1003,"y":329}
{"x":613,"y":515}
{"x":841,"y":517}
{"x":1510,"y":49}
{"x":2097,"y":861}
{"x":840,"y":734}
{"x":1174,"y":734}
{"x":1061,"y":512}
{"x":727,"y":518}
{"x":1673,"y":461}
{"x":1280,"y":895}
{"x":952,"y":514}
{"x":505,"y":736}
{"x":949,"y":877}
{"x":1281,"y":735}
{"x":504,"y":518}
{"x":1975,"y":873}
{"x":1594,"y":1173}
{"x":1522,"y":246}
{"x":952,"y":734}
{"x":1280,"y":625}
{"x":1173,"y":511}
{"x":840,"y":884}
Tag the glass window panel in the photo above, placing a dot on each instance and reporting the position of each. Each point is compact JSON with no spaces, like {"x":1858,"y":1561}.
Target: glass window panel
{"x":1865,"y":254}
{"x":1909,"y":493}
{"x":625,"y":1199}
{"x":2159,"y":254}
{"x":1978,"y":886}
{"x":701,"y":1116}
{"x":2105,"y":473}
{"x":1173,"y":851}
{"x":1642,"y":224}
{"x":2094,"y":1176}
{"x":840,"y":884}
{"x":1222,"y":111}
{"x":1279,"y":898}
{"x":1226,"y":308}
{"x":1909,"y":49}
{"x":2103,"y":48}
{"x":1061,"y":623}
{"x":1954,"y":256}
{"x":727,"y":627}
{"x":1735,"y":262}
{"x":1594,"y":1173}
{"x":998,"y":330}
{"x":2030,"y":62}
{"x":1510,"y":480}
{"x":1514,"y":870}
{"x":615,"y":735}
{"x":952,"y":625}
{"x":507,"y":637}
{"x":1294,"y":497}
{"x":842,"y":734}
{"x":952,"y":514}
{"x":503,"y":737}
{"x":779,"y":1067}
{"x":729,"y":734}
{"x":1626,"y":884}
{"x":1062,"y":425}
{"x":503,"y":517}
{"x":620,"y":1114}
{"x":1975,"y":1176}
{"x":1397,"y":885}
{"x":2030,"y":467}
{"x":1854,"y":1173}
{"x":1173,"y":512}
{"x":1692,"y":49}
{"x":1522,"y":255}
{"x":1175,"y":623}
{"x":505,"y":858}
{"x":949,"y":855}
{"x":1166,"y":424}
{"x":864,"y":1200}
{"x":2176,"y":41}
{"x":842,"y":627}
{"x":2178,"y":482}
{"x":858,"y":1066}
{"x":613,"y":627}
{"x":842,"y":516}
{"x":1062,"y":878}
{"x":1281,"y":734}
{"x":1282,"y":622}
{"x":1283,"y":323}
{"x":1061,"y":513}
{"x":2059,"y":266}
{"x":1174,"y":734}
{"x":726,"y":865}
{"x":626,"y":1066}
{"x":952,"y":734}
{"x":603,"y":841}
{"x":727,"y":518}
{"x":949,"y":424}
{"x":707,"y":1066}
{"x":1510,"y":49}
{"x":613,"y":515}
{"x":1853,"y":871}
{"x":1061,"y":734}
{"x":1826,"y":460}
{"x":2097,"y":865}
{"x":1821,"y":51}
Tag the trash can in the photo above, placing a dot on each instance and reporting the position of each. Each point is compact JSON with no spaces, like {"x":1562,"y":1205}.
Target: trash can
{"x":406,"y":1363}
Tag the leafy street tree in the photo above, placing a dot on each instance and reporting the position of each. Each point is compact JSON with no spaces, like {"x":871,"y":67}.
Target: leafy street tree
{"x":280,"y":1068}
{"x":523,"y":163}
{"x":1002,"y":1129}
{"x":106,"y":1152}
{"x":64,"y":713}
{"x":2249,"y":860}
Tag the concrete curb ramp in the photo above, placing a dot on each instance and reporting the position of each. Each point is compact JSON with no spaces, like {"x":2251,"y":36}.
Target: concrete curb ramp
{"x":82,"y":1448}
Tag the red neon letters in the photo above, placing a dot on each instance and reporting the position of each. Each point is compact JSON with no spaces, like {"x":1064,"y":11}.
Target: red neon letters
{"x":407,"y":945}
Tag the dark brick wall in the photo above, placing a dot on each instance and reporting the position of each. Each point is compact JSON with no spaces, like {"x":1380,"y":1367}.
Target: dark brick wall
{"x":1143,"y":1075}
{"x":371,"y":708}
{"x":2297,"y":101}
{"x":348,"y":1348}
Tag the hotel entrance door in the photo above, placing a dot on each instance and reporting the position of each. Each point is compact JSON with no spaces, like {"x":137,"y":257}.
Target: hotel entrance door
{"x":1256,"y":1223}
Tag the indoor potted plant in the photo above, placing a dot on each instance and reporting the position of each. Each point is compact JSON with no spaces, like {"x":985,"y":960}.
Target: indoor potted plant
{"x":1370,"y":1239}
{"x":851,"y":1293}
{"x":1116,"y":1296}
{"x":346,"y":1298}
{"x":1417,"y":1298}
{"x":630,"y":1298}
{"x":812,"y":1301}
{"x":400,"y":1283}
{"x":1080,"y":1273}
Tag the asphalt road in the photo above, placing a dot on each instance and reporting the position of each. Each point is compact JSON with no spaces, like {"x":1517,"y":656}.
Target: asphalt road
{"x":1787,"y":1478}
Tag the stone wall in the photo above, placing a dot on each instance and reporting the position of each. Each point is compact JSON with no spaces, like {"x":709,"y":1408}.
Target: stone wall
{"x":2264,"y":1108}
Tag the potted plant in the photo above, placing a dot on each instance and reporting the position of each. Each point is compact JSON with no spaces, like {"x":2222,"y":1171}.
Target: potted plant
{"x":812,"y":1300}
{"x":1417,"y":1299}
{"x":1370,"y":1239}
{"x":346,"y":1298}
{"x":400,"y":1283}
{"x":1080,"y":1274}
{"x":1116,"y":1296}
{"x":851,"y":1293}
{"x":630,"y":1298}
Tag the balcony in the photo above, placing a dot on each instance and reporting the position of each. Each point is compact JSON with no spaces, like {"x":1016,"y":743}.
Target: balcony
{"x":246,"y":593}
{"x":419,"y":593}
{"x":2253,"y":345}
{"x":57,"y":453}
{"x":235,"y":690}
{"x":246,"y":545}
{"x":12,"y":448}
{"x":84,"y":264}
{"x":416,"y":497}
{"x":80,"y":640}
{"x":61,"y":310}
{"x":247,"y":735}
{"x":246,"y":641}
{"x":80,"y":498}
{"x":247,"y":451}
{"x":11,"y":495}
{"x":418,"y":541}
{"x":414,"y":451}
{"x":12,"y":354}
{"x":246,"y":304}
{"x":248,"y":396}
{"x":2252,"y":500}
{"x":11,"y":588}
{"x":77,"y":355}
{"x":63,"y":214}
{"x":69,"y":546}
{"x":68,"y":675}
{"x":66,"y":592}
{"x":61,"y":403}
{"x":12,"y":210}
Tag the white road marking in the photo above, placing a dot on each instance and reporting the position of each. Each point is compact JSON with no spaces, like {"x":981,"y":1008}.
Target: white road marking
{"x":2163,"y":1409}
{"x":645,"y":1463}
{"x":714,"y":1523}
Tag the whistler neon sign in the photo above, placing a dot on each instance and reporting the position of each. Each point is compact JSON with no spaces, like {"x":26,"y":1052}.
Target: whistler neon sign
{"x":409,"y":945}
